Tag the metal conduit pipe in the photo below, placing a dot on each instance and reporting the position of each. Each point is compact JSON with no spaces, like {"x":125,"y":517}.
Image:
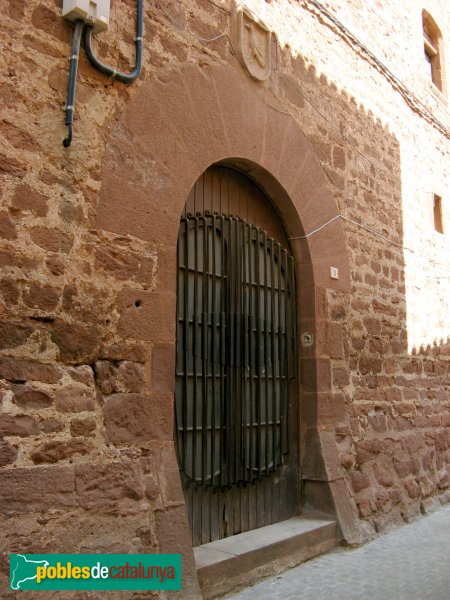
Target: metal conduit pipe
{"x":70,"y":104}
{"x":125,"y":77}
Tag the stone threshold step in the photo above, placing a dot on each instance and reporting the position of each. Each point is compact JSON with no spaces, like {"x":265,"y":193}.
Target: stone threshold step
{"x":242,"y":560}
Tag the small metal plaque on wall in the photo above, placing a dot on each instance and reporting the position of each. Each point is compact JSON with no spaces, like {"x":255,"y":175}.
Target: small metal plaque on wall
{"x":253,"y":41}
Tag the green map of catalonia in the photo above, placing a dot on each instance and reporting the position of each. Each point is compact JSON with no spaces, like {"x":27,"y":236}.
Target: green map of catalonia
{"x":24,"y":570}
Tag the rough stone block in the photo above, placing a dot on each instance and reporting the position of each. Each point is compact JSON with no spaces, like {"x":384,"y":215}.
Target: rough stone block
{"x":13,"y":335}
{"x":29,"y":398}
{"x":21,"y":370}
{"x":20,"y":425}
{"x":359,"y":480}
{"x":383,"y":475}
{"x":75,"y":399}
{"x":77,"y":343}
{"x":406,"y":467}
{"x":7,"y":226}
{"x":54,"y":451}
{"x":36,"y":489}
{"x":8,"y":453}
{"x":131,"y":418}
{"x":25,"y":198}
{"x":52,"y":240}
{"x":83,"y":427}
{"x":103,"y":486}
{"x":123,"y":377}
{"x":367,"y":450}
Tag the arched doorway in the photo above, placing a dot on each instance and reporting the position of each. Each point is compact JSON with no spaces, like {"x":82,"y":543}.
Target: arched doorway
{"x":236,"y":404}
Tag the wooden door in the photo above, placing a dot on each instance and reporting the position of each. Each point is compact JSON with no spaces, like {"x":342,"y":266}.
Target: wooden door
{"x":235,"y":409}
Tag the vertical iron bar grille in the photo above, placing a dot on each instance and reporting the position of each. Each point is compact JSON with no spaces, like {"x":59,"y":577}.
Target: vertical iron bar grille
{"x":235,"y":339}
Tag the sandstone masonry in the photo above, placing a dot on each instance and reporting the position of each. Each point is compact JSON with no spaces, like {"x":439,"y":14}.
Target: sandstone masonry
{"x":88,"y":266}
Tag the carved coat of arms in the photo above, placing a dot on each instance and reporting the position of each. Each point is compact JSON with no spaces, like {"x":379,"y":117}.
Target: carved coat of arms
{"x":254,"y":43}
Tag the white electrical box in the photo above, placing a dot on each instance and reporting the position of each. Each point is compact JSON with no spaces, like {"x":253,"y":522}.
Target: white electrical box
{"x":92,"y":12}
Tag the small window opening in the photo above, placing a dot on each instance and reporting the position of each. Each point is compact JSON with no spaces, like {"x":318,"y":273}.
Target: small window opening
{"x":437,"y":213}
{"x":432,"y":46}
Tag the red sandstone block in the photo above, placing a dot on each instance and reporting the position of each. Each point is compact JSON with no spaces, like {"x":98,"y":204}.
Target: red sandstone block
{"x":406,"y":467}
{"x":7,"y":226}
{"x":34,"y":490}
{"x":29,"y":398}
{"x":401,"y":424}
{"x":383,"y":474}
{"x":52,"y":240}
{"x":372,"y":325}
{"x":8,"y":453}
{"x":135,"y":352}
{"x":316,"y":375}
{"x":334,"y":340}
{"x":132,"y":418}
{"x":50,"y":22}
{"x":83,"y":427}
{"x":370,"y":365}
{"x":367,"y":450}
{"x":103,"y":486}
{"x":413,"y":443}
{"x":148,"y":316}
{"x":364,"y":507}
{"x":83,"y":374}
{"x":163,"y":369}
{"x":123,"y":377}
{"x":341,"y":377}
{"x":359,"y":480}
{"x":56,"y":265}
{"x":42,"y":297}
{"x":378,"y":422}
{"x":383,"y":501}
{"x":324,"y":408}
{"x":412,"y":488}
{"x":22,"y":370}
{"x":51,"y":425}
{"x":77,"y":343}
{"x":20,"y":425}
{"x":14,"y":334}
{"x":55,"y":450}
{"x":124,"y":264}
{"x":74,"y":399}
{"x":170,"y":476}
{"x":347,"y":460}
{"x":173,"y":535}
{"x":11,"y":166}
{"x":25,"y":198}
{"x":395,"y":494}
{"x":10,"y":291}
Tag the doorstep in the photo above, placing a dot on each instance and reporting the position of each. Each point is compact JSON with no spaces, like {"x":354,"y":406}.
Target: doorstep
{"x":243,"y":559}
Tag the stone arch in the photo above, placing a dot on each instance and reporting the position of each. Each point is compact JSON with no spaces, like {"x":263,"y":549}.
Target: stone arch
{"x":171,"y":131}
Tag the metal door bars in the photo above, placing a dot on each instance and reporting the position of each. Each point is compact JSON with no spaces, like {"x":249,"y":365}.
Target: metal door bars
{"x":236,"y":349}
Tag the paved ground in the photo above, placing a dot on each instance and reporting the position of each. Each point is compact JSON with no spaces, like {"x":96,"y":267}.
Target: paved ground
{"x":411,"y":563}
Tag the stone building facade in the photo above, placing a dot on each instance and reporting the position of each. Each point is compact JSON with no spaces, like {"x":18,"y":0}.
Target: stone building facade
{"x":348,"y":137}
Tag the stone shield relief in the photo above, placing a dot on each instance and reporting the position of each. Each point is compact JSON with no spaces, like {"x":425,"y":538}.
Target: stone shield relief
{"x":253,"y":43}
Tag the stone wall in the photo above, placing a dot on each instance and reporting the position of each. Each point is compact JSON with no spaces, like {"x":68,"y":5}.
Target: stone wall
{"x":87,"y":310}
